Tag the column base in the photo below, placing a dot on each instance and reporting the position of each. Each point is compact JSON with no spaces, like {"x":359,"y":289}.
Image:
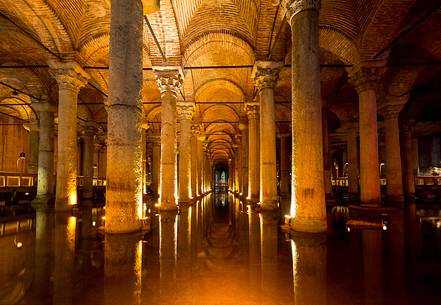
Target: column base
{"x":124,"y":228}
{"x":395,"y":199}
{"x":42,"y":200}
{"x":168,"y":208}
{"x":269,"y":205}
{"x":308,"y":225}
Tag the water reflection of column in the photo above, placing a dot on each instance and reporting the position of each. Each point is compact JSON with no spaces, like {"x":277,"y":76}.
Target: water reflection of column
{"x":167,"y":256}
{"x":396,"y":261}
{"x":254,"y":250}
{"x":122,"y":269}
{"x":43,"y":247}
{"x":184,"y":278}
{"x":309,"y":269}
{"x":268,"y":255}
{"x":64,"y":258}
{"x":373,"y":267}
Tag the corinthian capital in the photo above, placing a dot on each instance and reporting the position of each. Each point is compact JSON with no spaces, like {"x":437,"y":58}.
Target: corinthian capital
{"x":266,"y":74}
{"x":185,"y":110}
{"x":69,"y":75}
{"x":293,"y":7}
{"x":252,"y":111}
{"x":365,"y":78}
{"x":169,"y":79}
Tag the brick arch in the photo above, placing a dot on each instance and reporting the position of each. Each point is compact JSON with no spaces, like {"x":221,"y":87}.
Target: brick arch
{"x":339,"y":45}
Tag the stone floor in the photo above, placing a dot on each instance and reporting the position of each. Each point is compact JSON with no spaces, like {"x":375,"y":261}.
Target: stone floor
{"x":218,"y":253}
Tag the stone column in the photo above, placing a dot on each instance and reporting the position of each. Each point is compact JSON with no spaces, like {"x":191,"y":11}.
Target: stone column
{"x":156,"y":165}
{"x":200,"y":164}
{"x":237,"y":163}
{"x":326,"y":152}
{"x":45,"y":184}
{"x":284,"y":165}
{"x":87,"y":165}
{"x":169,"y":81}
{"x":243,"y":126}
{"x":253,"y":151}
{"x":70,"y":78}
{"x":34,"y":148}
{"x":365,"y":80}
{"x":352,"y":148}
{"x":394,"y":188}
{"x":265,"y":76}
{"x":308,"y":195}
{"x":194,"y":160}
{"x":185,"y":111}
{"x":124,"y":158}
{"x":96,"y":159}
{"x":409,"y":178}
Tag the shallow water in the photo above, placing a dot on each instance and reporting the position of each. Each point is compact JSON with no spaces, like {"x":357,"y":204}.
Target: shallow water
{"x":218,"y":253}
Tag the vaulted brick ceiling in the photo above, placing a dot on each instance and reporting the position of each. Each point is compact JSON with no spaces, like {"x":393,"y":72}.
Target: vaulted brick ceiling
{"x":201,"y":33}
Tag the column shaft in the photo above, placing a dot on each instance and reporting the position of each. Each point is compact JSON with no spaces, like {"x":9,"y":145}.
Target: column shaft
{"x":393,"y":159}
{"x":308,"y":195}
{"x":169,"y":81}
{"x":253,"y":153}
{"x":194,"y":164}
{"x":352,"y":148}
{"x":369,"y":170}
{"x":70,"y":78}
{"x":156,"y":163}
{"x":245,"y":145}
{"x":124,"y":158}
{"x":88,"y":164}
{"x":185,"y":114}
{"x":45,"y":185}
{"x":33,"y":149}
{"x":284,"y":166}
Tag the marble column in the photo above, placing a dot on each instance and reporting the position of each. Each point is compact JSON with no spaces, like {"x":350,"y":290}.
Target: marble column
{"x":194,"y":160}
{"x":45,"y":184}
{"x":34,"y":148}
{"x":124,"y":157}
{"x":394,"y":188}
{"x":308,"y":207}
{"x":200,"y":165}
{"x":70,"y":78}
{"x":185,"y":112}
{"x":169,"y":81}
{"x":87,"y":165}
{"x":237,"y":163}
{"x":284,"y":165}
{"x":365,"y":80}
{"x":265,"y":75}
{"x":253,"y":151}
{"x":352,"y":148}
{"x":156,"y":165}
{"x":96,"y":159}
{"x":243,"y":126}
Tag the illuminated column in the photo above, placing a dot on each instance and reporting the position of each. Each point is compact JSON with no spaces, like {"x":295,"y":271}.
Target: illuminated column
{"x":194,"y":160}
{"x":70,"y":78}
{"x":169,"y":81}
{"x":265,"y":75}
{"x":185,"y":111}
{"x":284,"y":165}
{"x":34,"y":147}
{"x":88,"y":136}
{"x":352,"y":147}
{"x":45,"y":184}
{"x":237,"y":163}
{"x":243,"y":126}
{"x":364,"y":80}
{"x":253,"y":151}
{"x":156,"y":165}
{"x":124,"y":158}
{"x":308,"y":195}
{"x":200,"y":163}
{"x":394,"y":188}
{"x":96,"y":159}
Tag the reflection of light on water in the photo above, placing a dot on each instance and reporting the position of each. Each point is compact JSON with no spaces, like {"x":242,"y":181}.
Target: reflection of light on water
{"x":71,"y":229}
{"x":138,"y":271}
{"x":295,"y":258}
{"x":189,"y":223}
